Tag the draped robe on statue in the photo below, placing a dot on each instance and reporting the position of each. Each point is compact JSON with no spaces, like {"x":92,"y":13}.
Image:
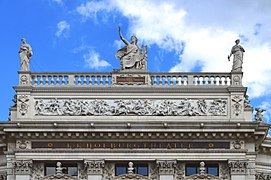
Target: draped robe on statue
{"x":129,"y":55}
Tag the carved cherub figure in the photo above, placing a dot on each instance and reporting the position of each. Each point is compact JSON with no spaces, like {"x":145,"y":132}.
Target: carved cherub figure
{"x":259,"y":115}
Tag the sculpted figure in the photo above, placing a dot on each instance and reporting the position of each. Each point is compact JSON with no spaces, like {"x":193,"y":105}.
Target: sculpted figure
{"x":259,"y":115}
{"x":238,"y":52}
{"x":25,"y":55}
{"x":131,"y":56}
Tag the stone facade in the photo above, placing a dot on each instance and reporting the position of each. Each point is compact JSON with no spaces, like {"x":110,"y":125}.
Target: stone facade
{"x":133,"y":124}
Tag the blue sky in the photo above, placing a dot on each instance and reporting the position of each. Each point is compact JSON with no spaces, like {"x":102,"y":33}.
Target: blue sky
{"x":182,"y":36}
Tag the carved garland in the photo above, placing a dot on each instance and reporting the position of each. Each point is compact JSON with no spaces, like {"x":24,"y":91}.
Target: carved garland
{"x":137,"y":107}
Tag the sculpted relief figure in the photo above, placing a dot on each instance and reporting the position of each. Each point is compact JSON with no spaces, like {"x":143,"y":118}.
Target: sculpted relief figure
{"x":25,"y":55}
{"x":131,"y":55}
{"x":238,"y":52}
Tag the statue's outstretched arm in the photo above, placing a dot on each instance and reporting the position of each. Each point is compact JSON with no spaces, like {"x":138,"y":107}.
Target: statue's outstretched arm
{"x":122,"y":38}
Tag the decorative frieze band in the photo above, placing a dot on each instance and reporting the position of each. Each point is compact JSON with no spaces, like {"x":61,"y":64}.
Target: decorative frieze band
{"x":94,"y":166}
{"x":136,"y":107}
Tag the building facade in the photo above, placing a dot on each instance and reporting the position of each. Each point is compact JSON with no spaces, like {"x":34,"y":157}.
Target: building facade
{"x":133,"y":124}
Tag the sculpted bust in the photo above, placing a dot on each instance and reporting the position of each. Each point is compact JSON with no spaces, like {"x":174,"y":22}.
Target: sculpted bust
{"x":25,"y":54}
{"x":131,"y":55}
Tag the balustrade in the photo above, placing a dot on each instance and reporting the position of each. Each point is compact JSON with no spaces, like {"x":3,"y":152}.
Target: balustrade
{"x":156,"y":79}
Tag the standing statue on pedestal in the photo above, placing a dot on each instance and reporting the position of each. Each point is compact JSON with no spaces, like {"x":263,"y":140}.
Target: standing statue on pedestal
{"x":238,"y":52}
{"x":25,"y":55}
{"x":131,"y":55}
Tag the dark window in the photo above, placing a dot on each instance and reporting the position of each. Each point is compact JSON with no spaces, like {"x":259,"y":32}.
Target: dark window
{"x":68,"y":168}
{"x":194,"y":168}
{"x":141,"y":169}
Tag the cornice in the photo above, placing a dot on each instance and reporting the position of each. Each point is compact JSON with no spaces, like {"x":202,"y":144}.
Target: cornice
{"x":124,"y":88}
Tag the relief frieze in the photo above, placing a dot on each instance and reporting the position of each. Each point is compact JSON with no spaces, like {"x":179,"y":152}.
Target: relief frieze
{"x":130,"y":107}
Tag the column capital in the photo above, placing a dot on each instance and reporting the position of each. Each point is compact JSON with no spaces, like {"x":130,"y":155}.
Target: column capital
{"x":22,"y":167}
{"x":94,"y":167}
{"x":238,"y":166}
{"x":166,"y":166}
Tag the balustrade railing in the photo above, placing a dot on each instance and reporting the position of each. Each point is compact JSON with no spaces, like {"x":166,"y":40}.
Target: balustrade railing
{"x":106,"y":79}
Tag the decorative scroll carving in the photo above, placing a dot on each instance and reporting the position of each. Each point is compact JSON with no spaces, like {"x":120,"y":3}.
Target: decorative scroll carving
{"x":82,"y":174}
{"x":23,"y":101}
{"x":23,"y":166}
{"x":166,"y":166}
{"x":23,"y":144}
{"x":139,"y":107}
{"x":38,"y":171}
{"x":59,"y":176}
{"x":94,"y":166}
{"x":224,"y":171}
{"x":202,"y":176}
{"x":262,"y":176}
{"x":153,"y":171}
{"x":3,"y":177}
{"x":180,"y":171}
{"x":237,"y":106}
{"x":109,"y":171}
{"x":238,"y":167}
{"x":237,"y":145}
{"x":131,"y":177}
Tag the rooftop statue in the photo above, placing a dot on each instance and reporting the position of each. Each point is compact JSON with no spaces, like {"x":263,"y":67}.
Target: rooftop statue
{"x":25,"y":55}
{"x":131,"y":55}
{"x":238,"y":52}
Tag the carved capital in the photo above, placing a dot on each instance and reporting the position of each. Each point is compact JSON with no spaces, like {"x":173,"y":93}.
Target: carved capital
{"x":166,"y":166}
{"x":238,"y":167}
{"x":3,"y":176}
{"x":23,"y":166}
{"x":94,"y":166}
{"x":262,"y":176}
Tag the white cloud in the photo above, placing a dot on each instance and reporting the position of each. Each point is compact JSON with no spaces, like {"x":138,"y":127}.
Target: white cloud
{"x":93,"y":61}
{"x":62,"y":28}
{"x":205,"y":29}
